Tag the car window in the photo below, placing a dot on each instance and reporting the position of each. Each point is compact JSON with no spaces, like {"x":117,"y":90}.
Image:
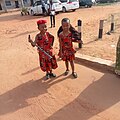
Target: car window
{"x":46,"y":1}
{"x":88,"y":1}
{"x":73,"y":0}
{"x":63,"y":1}
{"x":35,"y":4}
{"x":55,"y":1}
{"x":38,"y":2}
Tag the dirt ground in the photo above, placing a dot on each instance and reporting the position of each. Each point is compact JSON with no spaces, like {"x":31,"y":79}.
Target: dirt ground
{"x":23,"y":93}
{"x":13,"y":27}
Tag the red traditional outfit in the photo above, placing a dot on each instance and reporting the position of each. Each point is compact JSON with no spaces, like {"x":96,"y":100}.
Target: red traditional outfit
{"x":68,"y":53}
{"x":46,"y":43}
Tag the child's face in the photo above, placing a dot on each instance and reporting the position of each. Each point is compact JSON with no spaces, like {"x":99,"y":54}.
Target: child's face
{"x":42,"y":27}
{"x":66,"y":26}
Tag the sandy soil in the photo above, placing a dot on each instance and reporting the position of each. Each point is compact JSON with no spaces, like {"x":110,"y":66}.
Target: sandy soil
{"x":18,"y":27}
{"x":23,"y":93}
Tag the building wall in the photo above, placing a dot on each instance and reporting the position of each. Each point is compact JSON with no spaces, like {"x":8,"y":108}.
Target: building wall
{"x":12,"y":4}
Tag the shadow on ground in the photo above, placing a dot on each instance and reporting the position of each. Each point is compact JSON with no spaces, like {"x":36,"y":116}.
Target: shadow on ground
{"x":96,"y":98}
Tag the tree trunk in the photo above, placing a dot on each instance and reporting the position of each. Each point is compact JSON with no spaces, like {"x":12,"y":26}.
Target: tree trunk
{"x":4,"y":6}
{"x":22,"y":4}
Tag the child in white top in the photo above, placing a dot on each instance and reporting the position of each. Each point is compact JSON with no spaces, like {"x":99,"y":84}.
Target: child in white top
{"x":52,"y":13}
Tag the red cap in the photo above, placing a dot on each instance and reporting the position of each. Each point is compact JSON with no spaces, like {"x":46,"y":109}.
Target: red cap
{"x":41,"y":22}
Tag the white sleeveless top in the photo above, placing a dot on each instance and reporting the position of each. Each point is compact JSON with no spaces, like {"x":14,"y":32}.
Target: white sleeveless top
{"x":52,"y":9}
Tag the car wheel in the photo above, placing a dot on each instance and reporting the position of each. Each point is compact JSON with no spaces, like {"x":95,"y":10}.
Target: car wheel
{"x":64,"y":9}
{"x":74,"y":10}
{"x":28,"y":13}
{"x":57,"y":12}
{"x":32,"y":12}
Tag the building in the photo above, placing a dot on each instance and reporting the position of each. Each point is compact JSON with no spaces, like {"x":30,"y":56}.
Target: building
{"x":12,"y":4}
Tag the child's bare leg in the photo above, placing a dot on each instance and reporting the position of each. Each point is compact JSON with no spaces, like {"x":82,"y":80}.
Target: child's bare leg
{"x":72,"y":66}
{"x":52,"y":74}
{"x":47,"y":75}
{"x":67,"y":67}
{"x":73,"y":69}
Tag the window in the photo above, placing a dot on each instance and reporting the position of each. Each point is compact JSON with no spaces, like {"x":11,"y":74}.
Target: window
{"x":25,"y":1}
{"x":63,"y":1}
{"x":55,"y":1}
{"x":37,"y":3}
{"x":73,"y":0}
{"x":8,"y":3}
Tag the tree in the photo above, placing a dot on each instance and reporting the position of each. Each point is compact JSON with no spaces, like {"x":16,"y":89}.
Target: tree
{"x":22,"y":4}
{"x":4,"y":6}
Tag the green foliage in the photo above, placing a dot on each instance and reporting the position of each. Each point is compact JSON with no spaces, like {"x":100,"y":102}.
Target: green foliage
{"x":25,"y":10}
{"x":118,"y":55}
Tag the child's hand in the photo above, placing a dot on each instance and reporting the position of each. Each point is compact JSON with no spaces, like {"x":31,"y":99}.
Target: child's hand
{"x":80,"y":41}
{"x":29,"y":39}
{"x":61,"y":55}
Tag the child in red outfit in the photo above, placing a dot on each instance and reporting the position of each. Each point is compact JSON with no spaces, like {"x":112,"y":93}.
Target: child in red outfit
{"x":67,"y":53}
{"x":45,"y":41}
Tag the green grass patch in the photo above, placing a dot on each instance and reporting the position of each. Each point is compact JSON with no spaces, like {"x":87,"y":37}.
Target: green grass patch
{"x":105,"y":4}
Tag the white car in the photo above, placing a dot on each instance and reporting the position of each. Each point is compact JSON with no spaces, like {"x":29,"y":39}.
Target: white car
{"x":69,"y":5}
{"x":58,"y":5}
{"x":37,"y":7}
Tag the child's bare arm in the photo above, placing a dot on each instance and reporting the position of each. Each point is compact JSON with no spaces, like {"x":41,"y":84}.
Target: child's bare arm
{"x":31,"y":41}
{"x":77,"y":41}
{"x":60,"y":47}
{"x":76,"y":37}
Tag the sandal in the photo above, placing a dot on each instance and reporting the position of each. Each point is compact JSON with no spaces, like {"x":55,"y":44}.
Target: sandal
{"x":52,"y":75}
{"x":66,"y":72}
{"x":47,"y":76}
{"x":74,"y":74}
